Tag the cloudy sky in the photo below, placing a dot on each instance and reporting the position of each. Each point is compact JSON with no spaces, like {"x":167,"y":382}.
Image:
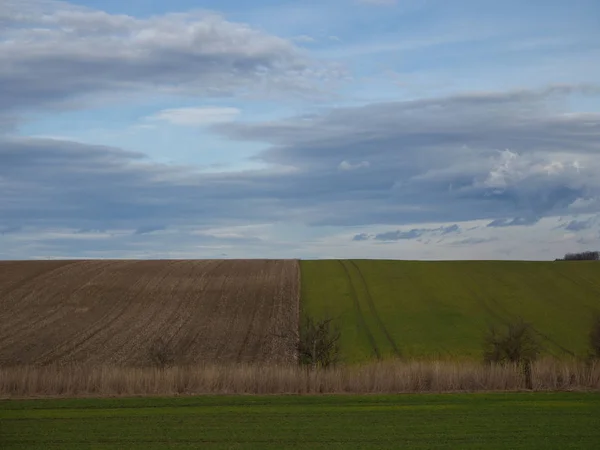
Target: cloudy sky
{"x":409,"y":129}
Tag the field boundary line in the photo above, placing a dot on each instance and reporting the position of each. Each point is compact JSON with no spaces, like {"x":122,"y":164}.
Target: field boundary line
{"x":363,"y":322}
{"x":374,"y":311}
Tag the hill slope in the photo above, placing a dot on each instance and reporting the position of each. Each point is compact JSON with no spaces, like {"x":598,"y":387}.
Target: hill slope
{"x":443,"y":308}
{"x":112,"y":311}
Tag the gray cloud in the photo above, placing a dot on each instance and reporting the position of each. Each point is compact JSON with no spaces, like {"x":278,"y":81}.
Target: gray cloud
{"x":516,"y":222}
{"x":472,"y":241}
{"x":379,"y":2}
{"x":399,"y":235}
{"x":435,"y":160}
{"x":64,"y":184}
{"x":148,"y":229}
{"x":10,"y":229}
{"x":53,"y":52}
{"x":590,"y":242}
{"x":579,"y":225}
{"x":90,"y":230}
{"x":472,"y":156}
{"x":449,"y":229}
{"x":414,"y":233}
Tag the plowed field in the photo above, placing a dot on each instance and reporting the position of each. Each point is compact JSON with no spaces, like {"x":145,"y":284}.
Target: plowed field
{"x":111,"y":312}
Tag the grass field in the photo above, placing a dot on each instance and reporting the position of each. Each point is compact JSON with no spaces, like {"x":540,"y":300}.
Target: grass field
{"x":442,"y":309}
{"x":511,"y":421}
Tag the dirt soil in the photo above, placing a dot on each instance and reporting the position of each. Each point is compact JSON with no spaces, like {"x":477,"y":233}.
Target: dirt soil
{"x":111,"y":312}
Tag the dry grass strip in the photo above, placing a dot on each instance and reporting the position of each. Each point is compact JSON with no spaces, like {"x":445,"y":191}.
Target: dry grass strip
{"x":374,"y":378}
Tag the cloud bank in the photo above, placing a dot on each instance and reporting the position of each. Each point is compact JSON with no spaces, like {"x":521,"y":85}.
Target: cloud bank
{"x":434,"y":160}
{"x":55,"y":54}
{"x":510,"y":159}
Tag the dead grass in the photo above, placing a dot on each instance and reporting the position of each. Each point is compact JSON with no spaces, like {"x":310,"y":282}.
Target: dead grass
{"x":374,"y":378}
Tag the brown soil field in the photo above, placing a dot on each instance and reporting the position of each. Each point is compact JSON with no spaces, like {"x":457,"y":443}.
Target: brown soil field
{"x":111,"y":312}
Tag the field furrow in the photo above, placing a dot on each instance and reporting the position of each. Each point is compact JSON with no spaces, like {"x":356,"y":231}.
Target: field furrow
{"x":53,"y":292}
{"x":15,"y":274}
{"x":111,"y":312}
{"x":362,"y":322}
{"x":124,"y":304}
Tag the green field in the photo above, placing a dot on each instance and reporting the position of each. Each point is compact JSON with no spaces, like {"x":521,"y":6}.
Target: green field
{"x":443,"y":308}
{"x":511,"y":421}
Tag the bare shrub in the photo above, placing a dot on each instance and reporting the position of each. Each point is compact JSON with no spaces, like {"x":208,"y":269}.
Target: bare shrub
{"x":518,"y":345}
{"x":161,"y":353}
{"x":594,"y":338}
{"x":318,"y":343}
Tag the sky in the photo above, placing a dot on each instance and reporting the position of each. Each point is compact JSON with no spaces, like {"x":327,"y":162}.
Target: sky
{"x":415,"y":129}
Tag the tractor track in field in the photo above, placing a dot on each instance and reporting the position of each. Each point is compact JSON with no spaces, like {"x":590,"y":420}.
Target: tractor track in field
{"x":109,"y":311}
{"x":152,"y":317}
{"x":81,"y":338}
{"x":249,"y":331}
{"x":188,"y":343}
{"x":363,"y":322}
{"x":19,"y":325}
{"x":102,"y":325}
{"x":510,"y":317}
{"x":374,"y":311}
{"x":214,"y":304}
{"x":587,"y":283}
{"x":29,"y":279}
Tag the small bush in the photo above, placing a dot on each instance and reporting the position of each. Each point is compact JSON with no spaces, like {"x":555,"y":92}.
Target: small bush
{"x":161,"y":354}
{"x":318,"y":343}
{"x":518,"y":345}
{"x":594,"y":338}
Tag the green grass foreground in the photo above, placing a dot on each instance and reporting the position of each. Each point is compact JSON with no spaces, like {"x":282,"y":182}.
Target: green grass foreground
{"x":441,"y":309}
{"x":511,"y":421}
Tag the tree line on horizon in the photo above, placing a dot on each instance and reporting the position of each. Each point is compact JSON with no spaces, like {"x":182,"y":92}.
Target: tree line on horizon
{"x":582,"y":256}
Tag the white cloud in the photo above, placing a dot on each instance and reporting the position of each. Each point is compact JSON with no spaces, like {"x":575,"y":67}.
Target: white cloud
{"x":54,"y":53}
{"x":196,"y":116}
{"x":511,"y":168}
{"x":304,"y":39}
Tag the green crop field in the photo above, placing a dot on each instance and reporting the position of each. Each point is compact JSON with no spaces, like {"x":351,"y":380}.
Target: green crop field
{"x":442,"y":309}
{"x":511,"y":421}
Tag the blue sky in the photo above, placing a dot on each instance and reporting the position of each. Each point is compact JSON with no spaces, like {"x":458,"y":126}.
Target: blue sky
{"x":419,"y":129}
